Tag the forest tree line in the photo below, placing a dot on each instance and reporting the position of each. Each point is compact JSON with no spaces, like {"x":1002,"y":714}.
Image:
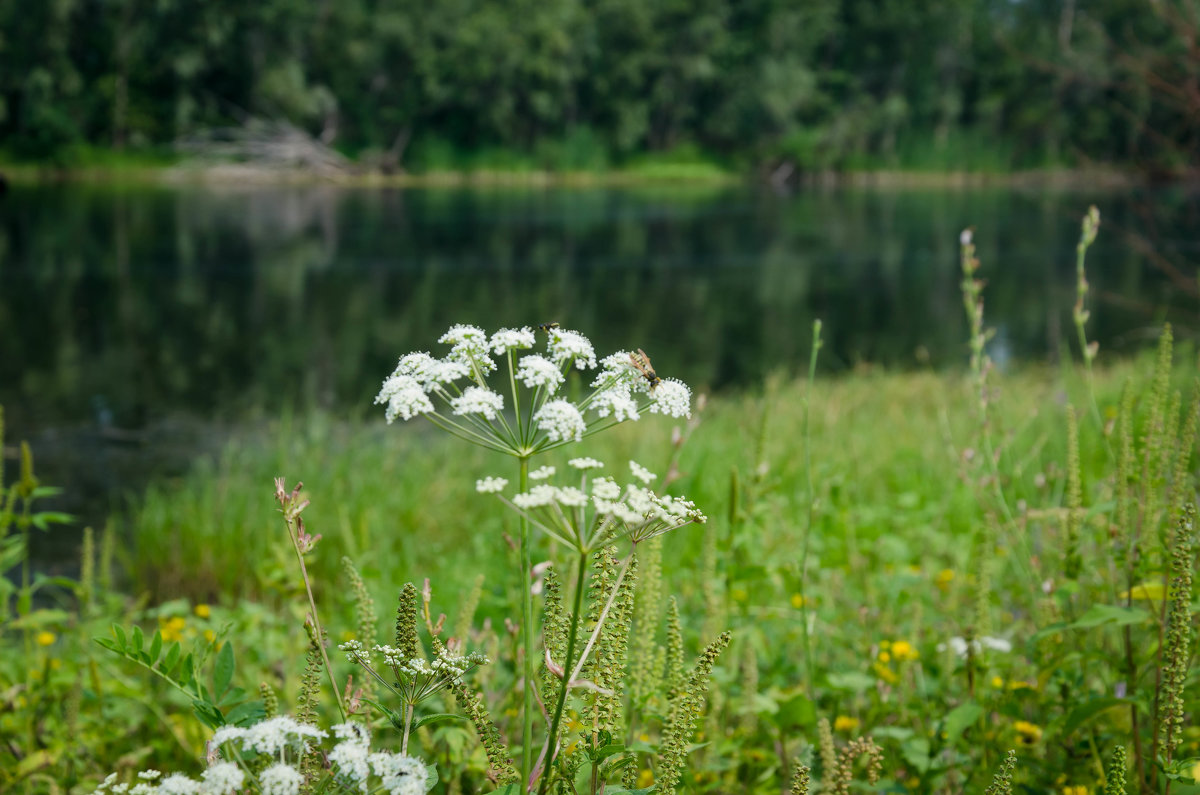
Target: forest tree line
{"x":820,"y":84}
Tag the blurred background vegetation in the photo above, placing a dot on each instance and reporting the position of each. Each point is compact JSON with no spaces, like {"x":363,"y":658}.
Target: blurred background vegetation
{"x":565,"y":85}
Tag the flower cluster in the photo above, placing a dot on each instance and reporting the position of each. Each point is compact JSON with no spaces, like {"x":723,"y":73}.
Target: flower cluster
{"x":474,"y":409}
{"x":352,"y":765}
{"x":599,"y":508}
{"x":415,"y":677}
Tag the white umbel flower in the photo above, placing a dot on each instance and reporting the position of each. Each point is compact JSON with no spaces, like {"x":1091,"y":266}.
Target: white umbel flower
{"x":507,"y":339}
{"x":273,"y":735}
{"x":672,"y":397}
{"x":566,"y":346}
{"x":401,"y":775}
{"x":561,"y":421}
{"x":539,"y":496}
{"x":471,"y":347}
{"x":571,"y":497}
{"x":223,"y":778}
{"x":616,"y":402}
{"x":176,"y":784}
{"x":350,"y":756}
{"x":280,"y":779}
{"x":536,"y":370}
{"x":541,"y":473}
{"x":405,"y":398}
{"x":641,"y":473}
{"x":617,"y":369}
{"x":490,"y":485}
{"x":585,"y":463}
{"x":477,"y":400}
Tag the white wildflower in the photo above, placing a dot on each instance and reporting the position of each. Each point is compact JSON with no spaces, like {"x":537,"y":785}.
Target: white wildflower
{"x":642,"y":501}
{"x":507,"y":339}
{"x":539,"y":496}
{"x":606,"y":489}
{"x":471,"y":347}
{"x":617,"y":370}
{"x":273,"y":735}
{"x":477,"y":400}
{"x":586,"y":463}
{"x":641,"y":473}
{"x":672,"y":397}
{"x":350,"y":756}
{"x":401,"y":775}
{"x":148,"y":775}
{"x":461,"y":333}
{"x":536,"y":370}
{"x":541,"y":473}
{"x":119,"y":789}
{"x":354,"y":652}
{"x":223,"y":778}
{"x":561,"y":421}
{"x":959,"y":645}
{"x":227,"y":734}
{"x":391,"y":655}
{"x":571,"y":497}
{"x":566,"y":346}
{"x":616,"y":402}
{"x":405,"y":398}
{"x":176,"y":784}
{"x":108,"y":781}
{"x":280,"y":779}
{"x":490,"y":485}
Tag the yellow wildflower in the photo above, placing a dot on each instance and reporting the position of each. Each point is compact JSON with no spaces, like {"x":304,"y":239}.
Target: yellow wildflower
{"x":645,"y":779}
{"x":172,"y":628}
{"x":1029,"y":733}
{"x":885,"y":673}
{"x":46,"y":638}
{"x":845,"y":723}
{"x":55,"y":663}
{"x":997,"y":682}
{"x":797,"y":601}
{"x":1196,"y":772}
{"x":943,"y":579}
{"x":202,"y":611}
{"x":903,"y":650}
{"x":1077,"y":789}
{"x":740,"y":595}
{"x":884,"y":657}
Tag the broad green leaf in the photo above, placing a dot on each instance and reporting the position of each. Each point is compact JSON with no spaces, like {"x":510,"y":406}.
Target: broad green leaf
{"x":245,"y":714}
{"x":119,"y":634}
{"x":1106,"y":615}
{"x":223,"y":668}
{"x":156,"y":646}
{"x":171,"y":660}
{"x":959,"y":718}
{"x":431,"y":777}
{"x":137,"y":638}
{"x":436,"y":717}
{"x":1084,"y":712}
{"x":43,"y":520}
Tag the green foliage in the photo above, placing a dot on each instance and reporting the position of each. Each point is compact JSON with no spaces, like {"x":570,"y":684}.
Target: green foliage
{"x":563,"y":86}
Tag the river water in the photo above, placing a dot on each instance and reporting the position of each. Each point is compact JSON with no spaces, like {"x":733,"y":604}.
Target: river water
{"x":127,"y":314}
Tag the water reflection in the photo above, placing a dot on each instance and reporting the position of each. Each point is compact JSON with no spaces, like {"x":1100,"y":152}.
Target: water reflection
{"x":122,"y":306}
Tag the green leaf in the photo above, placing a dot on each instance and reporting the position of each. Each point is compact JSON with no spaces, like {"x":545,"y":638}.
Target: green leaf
{"x":431,"y":777}
{"x":1090,"y":709}
{"x":223,"y":669}
{"x":604,"y":752}
{"x":156,"y":646}
{"x":508,"y":789}
{"x":172,"y":659}
{"x":43,"y":520}
{"x":45,"y":491}
{"x":853,"y":681}
{"x":436,"y":717}
{"x":1104,"y":615}
{"x":110,"y":644}
{"x":119,"y":634}
{"x":137,"y":638}
{"x":245,"y":714}
{"x":959,"y":718}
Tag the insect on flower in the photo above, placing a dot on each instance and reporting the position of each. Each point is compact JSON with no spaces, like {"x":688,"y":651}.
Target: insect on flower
{"x":641,"y":363}
{"x":547,"y":326}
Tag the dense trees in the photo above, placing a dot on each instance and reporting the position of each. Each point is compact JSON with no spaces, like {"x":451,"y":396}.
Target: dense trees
{"x":817,"y":84}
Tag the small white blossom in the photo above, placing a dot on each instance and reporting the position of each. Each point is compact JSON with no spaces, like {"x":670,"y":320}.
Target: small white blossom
{"x":223,"y":778}
{"x":272,"y":735}
{"x":280,"y":779}
{"x":350,"y":756}
{"x":401,"y":775}
{"x":566,"y":346}
{"x":391,"y":655}
{"x":536,"y":370}
{"x":471,"y":347}
{"x":617,"y":402}
{"x":641,"y":473}
{"x":571,"y":497}
{"x":959,"y":645}
{"x":461,"y":333}
{"x":227,"y":734}
{"x":617,"y":370}
{"x":541,"y":473}
{"x":490,"y":485}
{"x":176,"y":784}
{"x":585,"y":463}
{"x":672,"y":397}
{"x":354,"y":652}
{"x":561,"y":421}
{"x":405,"y":398}
{"x":606,"y":489}
{"x":477,"y":400}
{"x":148,"y":775}
{"x":507,"y":339}
{"x":539,"y":496}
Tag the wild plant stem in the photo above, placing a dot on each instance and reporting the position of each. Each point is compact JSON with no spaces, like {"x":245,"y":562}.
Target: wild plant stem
{"x":407,"y":728}
{"x":312,"y":606}
{"x":812,"y":500}
{"x":527,"y":632}
{"x":552,"y":740}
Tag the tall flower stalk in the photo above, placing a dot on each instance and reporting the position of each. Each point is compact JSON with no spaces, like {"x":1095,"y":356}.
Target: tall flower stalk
{"x":464,"y":393}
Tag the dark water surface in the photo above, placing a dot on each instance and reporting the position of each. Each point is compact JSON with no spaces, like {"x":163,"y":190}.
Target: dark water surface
{"x":121,"y":309}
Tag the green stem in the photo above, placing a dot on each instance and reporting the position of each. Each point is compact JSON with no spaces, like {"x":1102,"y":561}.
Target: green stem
{"x":312,"y":604}
{"x":407,"y":728}
{"x":527,"y":625}
{"x":552,"y":740}
{"x":812,"y":502}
